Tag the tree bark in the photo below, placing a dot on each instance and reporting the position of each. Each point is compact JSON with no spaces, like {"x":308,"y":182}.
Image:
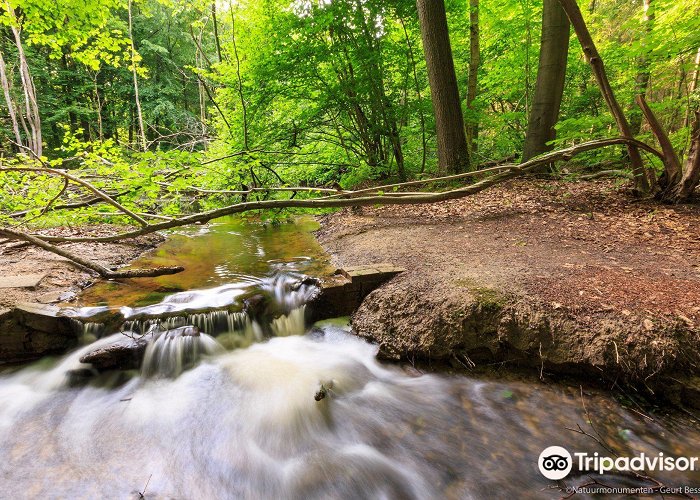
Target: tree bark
{"x":472,"y":79}
{"x":643,"y":181}
{"x":672,"y":166}
{"x":551,"y":75}
{"x":453,"y":154}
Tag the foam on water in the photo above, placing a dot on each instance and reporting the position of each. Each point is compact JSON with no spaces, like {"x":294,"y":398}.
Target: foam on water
{"x":245,"y":424}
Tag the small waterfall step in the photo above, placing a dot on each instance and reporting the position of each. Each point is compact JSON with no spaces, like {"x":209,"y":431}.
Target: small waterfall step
{"x":32,"y":330}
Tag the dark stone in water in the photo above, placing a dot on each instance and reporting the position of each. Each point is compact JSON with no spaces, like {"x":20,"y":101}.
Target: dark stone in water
{"x":124,"y":354}
{"x":80,"y":377}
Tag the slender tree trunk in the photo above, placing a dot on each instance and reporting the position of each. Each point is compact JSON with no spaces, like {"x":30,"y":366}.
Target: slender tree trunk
{"x":528,"y":44}
{"x":30,"y":101}
{"x":551,"y":74}
{"x":98,"y":108}
{"x":453,"y":153}
{"x":693,"y":86}
{"x":381,"y":100}
{"x":643,"y":181}
{"x":240,"y":79}
{"x":8,"y":99}
{"x":421,"y":115}
{"x":472,"y":80}
{"x":216,"y":31}
{"x":139,"y":113}
{"x":641,"y":80}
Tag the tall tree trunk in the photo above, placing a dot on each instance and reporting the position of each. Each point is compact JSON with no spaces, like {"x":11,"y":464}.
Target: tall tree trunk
{"x":379,"y":97}
{"x":551,"y":74}
{"x":693,"y":86}
{"x":98,"y":108}
{"x":421,"y":116}
{"x":472,"y":80}
{"x":8,"y":99}
{"x":643,"y":181}
{"x":139,"y":113}
{"x":453,"y":154}
{"x":641,"y":80}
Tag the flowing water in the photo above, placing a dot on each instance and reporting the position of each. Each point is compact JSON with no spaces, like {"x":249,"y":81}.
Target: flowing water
{"x":205,"y":420}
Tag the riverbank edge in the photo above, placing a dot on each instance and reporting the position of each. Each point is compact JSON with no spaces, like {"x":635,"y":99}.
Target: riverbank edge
{"x":472,"y":326}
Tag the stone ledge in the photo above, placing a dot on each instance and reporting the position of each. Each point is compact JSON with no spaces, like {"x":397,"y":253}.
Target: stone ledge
{"x":344,"y":292}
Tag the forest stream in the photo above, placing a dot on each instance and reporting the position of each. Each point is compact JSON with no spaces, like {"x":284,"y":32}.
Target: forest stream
{"x":289,"y":410}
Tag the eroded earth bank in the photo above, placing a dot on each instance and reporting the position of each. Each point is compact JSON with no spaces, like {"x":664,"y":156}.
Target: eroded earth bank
{"x":560,"y":278}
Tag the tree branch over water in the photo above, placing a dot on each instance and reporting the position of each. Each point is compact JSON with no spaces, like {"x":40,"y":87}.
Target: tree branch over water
{"x":364,"y":197}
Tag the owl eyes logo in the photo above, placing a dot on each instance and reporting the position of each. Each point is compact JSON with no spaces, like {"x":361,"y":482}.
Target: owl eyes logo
{"x":555,"y":463}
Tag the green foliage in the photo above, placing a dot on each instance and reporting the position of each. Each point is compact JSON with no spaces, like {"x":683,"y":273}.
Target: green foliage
{"x":294,"y":92}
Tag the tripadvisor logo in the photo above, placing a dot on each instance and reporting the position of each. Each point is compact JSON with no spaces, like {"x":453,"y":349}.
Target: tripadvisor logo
{"x":556,"y":462}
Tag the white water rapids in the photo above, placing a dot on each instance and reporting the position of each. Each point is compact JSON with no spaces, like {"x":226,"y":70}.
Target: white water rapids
{"x":245,"y":424}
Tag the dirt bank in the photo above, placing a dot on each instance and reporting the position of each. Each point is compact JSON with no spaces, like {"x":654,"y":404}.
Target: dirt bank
{"x":562,"y":277}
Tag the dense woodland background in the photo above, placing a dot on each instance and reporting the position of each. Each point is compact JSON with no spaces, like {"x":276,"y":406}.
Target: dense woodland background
{"x":151,"y":100}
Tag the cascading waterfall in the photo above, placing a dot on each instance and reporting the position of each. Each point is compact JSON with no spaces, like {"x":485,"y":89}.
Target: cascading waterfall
{"x":171,"y":352}
{"x":88,"y":331}
{"x":210,"y":322}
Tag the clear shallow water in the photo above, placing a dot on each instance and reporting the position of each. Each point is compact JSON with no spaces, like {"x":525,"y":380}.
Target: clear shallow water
{"x":228,"y":252}
{"x":244,"y":423}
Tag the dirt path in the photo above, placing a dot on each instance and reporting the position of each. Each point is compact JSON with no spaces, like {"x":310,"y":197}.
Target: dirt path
{"x":560,"y":275}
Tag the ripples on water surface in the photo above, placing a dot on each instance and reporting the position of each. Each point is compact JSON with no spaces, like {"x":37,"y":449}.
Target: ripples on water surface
{"x":245,"y":424}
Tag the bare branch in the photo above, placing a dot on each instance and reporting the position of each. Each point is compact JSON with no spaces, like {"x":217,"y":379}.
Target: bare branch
{"x":83,"y":183}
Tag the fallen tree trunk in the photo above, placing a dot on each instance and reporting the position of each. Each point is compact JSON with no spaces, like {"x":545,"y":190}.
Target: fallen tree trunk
{"x":87,"y":264}
{"x":337,"y":201}
{"x":344,"y":199}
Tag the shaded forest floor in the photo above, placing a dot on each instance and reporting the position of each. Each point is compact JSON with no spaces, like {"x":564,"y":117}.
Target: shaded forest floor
{"x":62,"y":280}
{"x":537,"y":261}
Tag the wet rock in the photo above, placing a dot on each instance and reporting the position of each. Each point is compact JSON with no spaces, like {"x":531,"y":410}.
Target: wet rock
{"x":343,"y":293}
{"x":55,"y":297}
{"x":79,"y":377}
{"x":183,"y":331}
{"x":124,"y":354}
{"x":26,"y":333}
